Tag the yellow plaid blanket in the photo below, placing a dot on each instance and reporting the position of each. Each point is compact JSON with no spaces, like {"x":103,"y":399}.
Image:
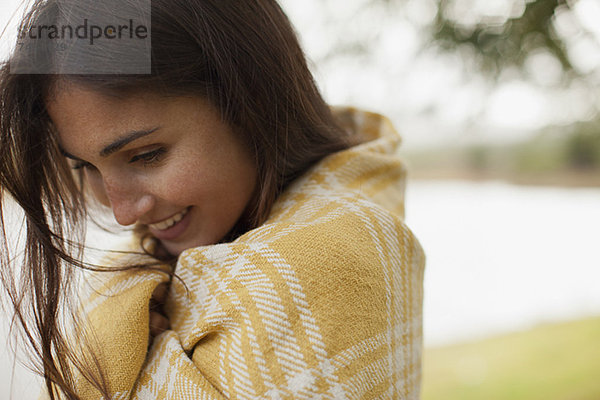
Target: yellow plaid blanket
{"x":322,"y":301}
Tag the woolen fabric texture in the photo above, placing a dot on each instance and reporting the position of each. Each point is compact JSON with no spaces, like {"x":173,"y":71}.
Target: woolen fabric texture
{"x":324,"y":300}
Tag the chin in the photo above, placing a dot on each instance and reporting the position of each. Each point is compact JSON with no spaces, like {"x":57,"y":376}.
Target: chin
{"x":175,"y":249}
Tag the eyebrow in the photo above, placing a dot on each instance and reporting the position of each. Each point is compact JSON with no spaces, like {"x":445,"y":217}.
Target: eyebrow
{"x":126,"y":139}
{"x":117,"y":144}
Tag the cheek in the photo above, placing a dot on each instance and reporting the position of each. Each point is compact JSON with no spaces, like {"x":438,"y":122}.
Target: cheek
{"x":186,"y":189}
{"x":177,"y":182}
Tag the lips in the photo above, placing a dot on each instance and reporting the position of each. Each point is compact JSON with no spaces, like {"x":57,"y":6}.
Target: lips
{"x":173,"y":227}
{"x":168,"y":223}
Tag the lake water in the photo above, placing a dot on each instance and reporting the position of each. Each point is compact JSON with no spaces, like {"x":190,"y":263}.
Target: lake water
{"x":502,"y":257}
{"x":499,"y":258}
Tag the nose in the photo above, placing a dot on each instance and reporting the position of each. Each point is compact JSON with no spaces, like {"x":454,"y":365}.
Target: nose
{"x":128,"y":201}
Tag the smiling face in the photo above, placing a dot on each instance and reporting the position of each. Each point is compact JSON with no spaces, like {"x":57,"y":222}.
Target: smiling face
{"x":169,"y":163}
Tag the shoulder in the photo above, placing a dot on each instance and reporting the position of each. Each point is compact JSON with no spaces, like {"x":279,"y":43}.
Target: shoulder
{"x":331,"y":228}
{"x":331,"y":251}
{"x":329,"y":277}
{"x":326,"y":235}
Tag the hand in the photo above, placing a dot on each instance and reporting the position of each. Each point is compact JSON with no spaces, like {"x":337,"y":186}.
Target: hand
{"x":158,"y":321}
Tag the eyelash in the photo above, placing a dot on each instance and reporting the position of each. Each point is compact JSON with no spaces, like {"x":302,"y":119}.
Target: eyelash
{"x":146,"y":159}
{"x":82,"y":164}
{"x":150,"y":157}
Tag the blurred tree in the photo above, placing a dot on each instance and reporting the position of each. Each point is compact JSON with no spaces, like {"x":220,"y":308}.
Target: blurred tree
{"x":583,"y":145}
{"x":467,"y":71}
{"x":502,"y":41}
{"x":500,"y":34}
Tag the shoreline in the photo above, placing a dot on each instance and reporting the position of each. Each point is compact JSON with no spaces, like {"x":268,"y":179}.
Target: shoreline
{"x":563,"y":179}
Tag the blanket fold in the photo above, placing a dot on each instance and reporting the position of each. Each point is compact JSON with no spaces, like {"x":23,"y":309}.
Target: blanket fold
{"x":324,"y":300}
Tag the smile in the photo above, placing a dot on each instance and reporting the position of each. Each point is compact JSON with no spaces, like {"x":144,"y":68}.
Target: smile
{"x":168,"y":223}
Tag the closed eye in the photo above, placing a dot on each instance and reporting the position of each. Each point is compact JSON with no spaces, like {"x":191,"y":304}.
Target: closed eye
{"x":82,"y":164}
{"x":146,"y":159}
{"x":79,"y":163}
{"x":150,"y":157}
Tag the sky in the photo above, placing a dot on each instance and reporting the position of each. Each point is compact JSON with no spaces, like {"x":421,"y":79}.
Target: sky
{"x":437,"y":98}
{"x":433,"y":98}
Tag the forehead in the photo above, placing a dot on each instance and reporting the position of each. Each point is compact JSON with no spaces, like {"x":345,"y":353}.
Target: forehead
{"x":77,"y":108}
{"x":85,"y":117}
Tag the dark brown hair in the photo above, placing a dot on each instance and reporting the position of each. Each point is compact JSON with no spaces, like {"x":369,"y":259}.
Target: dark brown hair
{"x":242,"y":55}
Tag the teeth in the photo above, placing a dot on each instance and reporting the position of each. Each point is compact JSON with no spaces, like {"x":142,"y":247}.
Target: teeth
{"x":166,"y":224}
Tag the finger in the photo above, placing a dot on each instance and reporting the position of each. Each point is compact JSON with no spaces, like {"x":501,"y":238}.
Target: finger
{"x":158,"y":324}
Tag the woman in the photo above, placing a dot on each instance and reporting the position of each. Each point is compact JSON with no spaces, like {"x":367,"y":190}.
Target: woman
{"x":293,"y":273}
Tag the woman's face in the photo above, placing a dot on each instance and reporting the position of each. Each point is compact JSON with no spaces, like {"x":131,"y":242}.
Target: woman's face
{"x":166,"y":162}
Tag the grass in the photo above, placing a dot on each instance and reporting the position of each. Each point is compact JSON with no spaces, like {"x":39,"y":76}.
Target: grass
{"x":549,"y":362}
